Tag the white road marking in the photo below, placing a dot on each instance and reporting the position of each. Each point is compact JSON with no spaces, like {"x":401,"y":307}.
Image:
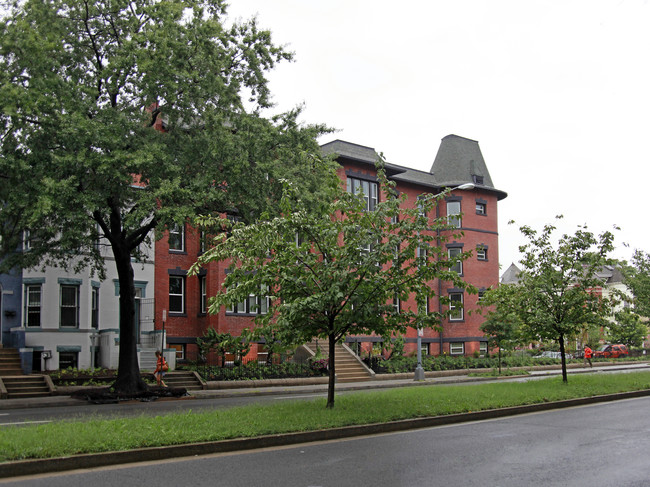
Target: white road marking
{"x":24,"y":423}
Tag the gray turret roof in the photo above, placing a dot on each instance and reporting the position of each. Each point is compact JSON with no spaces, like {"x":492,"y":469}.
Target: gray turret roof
{"x":457,"y":162}
{"x":511,"y":275}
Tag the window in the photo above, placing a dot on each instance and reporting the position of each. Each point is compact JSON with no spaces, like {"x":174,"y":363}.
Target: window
{"x":176,"y":294}
{"x":367,"y":188}
{"x":480,"y":208}
{"x":481,"y":253}
{"x":69,"y":306}
{"x":396,"y":304}
{"x":27,"y":240}
{"x":94,"y":308}
{"x":262,"y":354}
{"x":481,"y":295}
{"x":421,"y":211}
{"x":180,"y":350}
{"x":422,"y":254}
{"x":68,"y":360}
{"x":457,"y":266}
{"x":33,"y":299}
{"x":453,"y":214}
{"x":457,"y":348}
{"x":425,"y":305}
{"x":255,"y":304}
{"x":456,"y":306}
{"x":424,"y":348}
{"x":483,"y":348}
{"x":177,"y":238}
{"x":477,"y":179}
{"x":203,"y":286}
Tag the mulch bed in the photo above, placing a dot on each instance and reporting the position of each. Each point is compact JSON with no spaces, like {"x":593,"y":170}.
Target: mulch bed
{"x":104,"y":395}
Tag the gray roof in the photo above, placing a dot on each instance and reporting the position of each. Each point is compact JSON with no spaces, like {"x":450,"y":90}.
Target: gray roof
{"x":511,"y":275}
{"x":350,"y":151}
{"x":610,"y":274}
{"x":457,"y":162}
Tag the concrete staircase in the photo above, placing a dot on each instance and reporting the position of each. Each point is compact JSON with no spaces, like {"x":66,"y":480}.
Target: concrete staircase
{"x":148,"y":359}
{"x":26,"y":386}
{"x":15,"y":384}
{"x":10,"y":362}
{"x":185,"y":378}
{"x":349,"y":367}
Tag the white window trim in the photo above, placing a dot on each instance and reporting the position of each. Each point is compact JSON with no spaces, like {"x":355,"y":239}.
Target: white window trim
{"x":75,"y":306}
{"x":203,"y":290}
{"x":28,"y":288}
{"x":454,"y":219}
{"x":452,"y":308}
{"x":180,"y":231}
{"x":458,"y":266}
{"x":356,"y":186}
{"x":182,"y":295}
{"x":456,"y":348}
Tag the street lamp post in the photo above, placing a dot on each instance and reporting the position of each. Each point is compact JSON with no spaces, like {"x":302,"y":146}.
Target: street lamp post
{"x":419,"y":371}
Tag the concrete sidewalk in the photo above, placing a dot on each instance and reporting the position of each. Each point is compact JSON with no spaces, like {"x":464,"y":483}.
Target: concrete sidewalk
{"x":308,"y":386}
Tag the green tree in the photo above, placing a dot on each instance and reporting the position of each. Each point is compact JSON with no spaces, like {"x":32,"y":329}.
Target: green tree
{"x":627,"y":329}
{"x":503,"y":323}
{"x":337,"y":271}
{"x":558,"y":281}
{"x":122,"y":119}
{"x":637,"y":278}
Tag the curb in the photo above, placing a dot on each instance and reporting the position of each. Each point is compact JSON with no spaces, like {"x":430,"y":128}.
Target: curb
{"x":93,"y":460}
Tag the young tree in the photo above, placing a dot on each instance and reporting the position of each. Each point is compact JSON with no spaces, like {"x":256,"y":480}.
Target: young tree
{"x":558,"y":283}
{"x":122,"y":119}
{"x":337,"y":271}
{"x":627,"y":329}
{"x":503,"y":323}
{"x":637,"y":278}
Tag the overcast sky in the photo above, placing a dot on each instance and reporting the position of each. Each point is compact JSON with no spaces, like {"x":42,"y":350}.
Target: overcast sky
{"x":555,"y":92}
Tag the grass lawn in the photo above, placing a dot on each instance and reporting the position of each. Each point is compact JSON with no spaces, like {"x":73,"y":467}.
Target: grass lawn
{"x":66,"y":438}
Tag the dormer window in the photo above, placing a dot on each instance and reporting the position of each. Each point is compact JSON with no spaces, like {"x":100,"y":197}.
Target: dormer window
{"x":477,"y":179}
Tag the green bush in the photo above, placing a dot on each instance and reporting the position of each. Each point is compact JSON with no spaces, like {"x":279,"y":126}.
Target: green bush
{"x":445,"y":362}
{"x":255,"y":371}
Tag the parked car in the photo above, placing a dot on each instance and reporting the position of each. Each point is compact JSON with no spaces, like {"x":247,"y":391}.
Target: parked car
{"x":612,"y":351}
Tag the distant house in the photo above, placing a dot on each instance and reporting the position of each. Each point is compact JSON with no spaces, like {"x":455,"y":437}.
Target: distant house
{"x":60,"y":319}
{"x":612,"y":284}
{"x":459,"y":161}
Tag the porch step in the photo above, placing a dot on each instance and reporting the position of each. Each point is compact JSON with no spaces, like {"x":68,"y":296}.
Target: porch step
{"x":348,"y":367}
{"x":10,"y":364}
{"x":184,"y":378}
{"x":148,"y":359}
{"x":26,"y":386}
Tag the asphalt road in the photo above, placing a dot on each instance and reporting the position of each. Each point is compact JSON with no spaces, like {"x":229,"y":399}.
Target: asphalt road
{"x":601,"y":444}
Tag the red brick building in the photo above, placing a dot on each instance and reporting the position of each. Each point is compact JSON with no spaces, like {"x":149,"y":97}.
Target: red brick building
{"x":459,"y":161}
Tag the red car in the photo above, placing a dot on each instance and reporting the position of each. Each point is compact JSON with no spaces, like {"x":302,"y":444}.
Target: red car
{"x":611,"y":351}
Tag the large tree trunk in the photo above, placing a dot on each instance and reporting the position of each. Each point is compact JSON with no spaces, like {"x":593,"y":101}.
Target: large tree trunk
{"x":129,"y":380}
{"x":332,"y":371}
